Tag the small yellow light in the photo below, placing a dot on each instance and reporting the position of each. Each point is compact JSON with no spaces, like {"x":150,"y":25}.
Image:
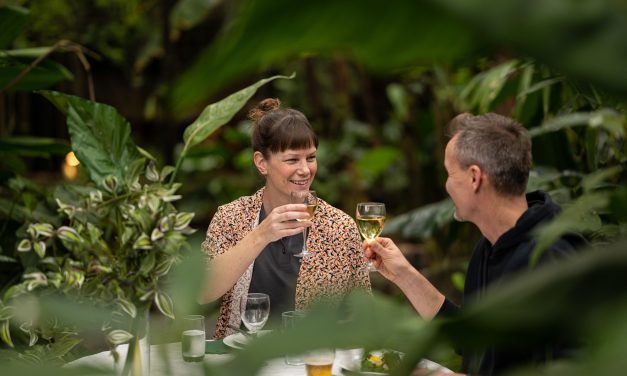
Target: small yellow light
{"x":71,"y":160}
{"x":70,"y":166}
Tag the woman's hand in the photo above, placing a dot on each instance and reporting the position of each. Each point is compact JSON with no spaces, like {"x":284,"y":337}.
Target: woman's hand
{"x":283,"y":221}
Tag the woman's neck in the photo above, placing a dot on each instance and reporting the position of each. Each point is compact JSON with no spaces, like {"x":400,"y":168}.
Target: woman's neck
{"x":272,"y":199}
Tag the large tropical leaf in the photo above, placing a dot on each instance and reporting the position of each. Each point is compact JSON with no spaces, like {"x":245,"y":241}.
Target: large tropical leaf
{"x":217,"y":114}
{"x":382,"y":37}
{"x":101,"y":137}
{"x":576,"y":38}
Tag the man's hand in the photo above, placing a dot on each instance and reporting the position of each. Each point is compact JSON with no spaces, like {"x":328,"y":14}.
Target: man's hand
{"x":388,"y":259}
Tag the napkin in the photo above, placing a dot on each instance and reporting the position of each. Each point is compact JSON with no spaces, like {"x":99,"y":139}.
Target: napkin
{"x":216,"y":346}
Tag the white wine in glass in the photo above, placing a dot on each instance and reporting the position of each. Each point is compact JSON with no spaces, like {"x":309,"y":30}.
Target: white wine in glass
{"x":310,"y":199}
{"x":370,"y":218}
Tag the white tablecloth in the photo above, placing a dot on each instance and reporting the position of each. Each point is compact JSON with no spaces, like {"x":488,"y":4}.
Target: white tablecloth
{"x":166,"y":360}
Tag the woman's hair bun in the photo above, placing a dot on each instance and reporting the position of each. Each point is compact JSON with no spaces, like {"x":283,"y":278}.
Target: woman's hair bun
{"x":265,"y":106}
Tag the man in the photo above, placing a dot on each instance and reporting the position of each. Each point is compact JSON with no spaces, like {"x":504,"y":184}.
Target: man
{"x":487,"y":160}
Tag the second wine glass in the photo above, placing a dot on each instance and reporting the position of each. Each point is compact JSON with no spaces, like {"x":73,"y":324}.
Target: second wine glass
{"x":310,"y":199}
{"x":255,"y":310}
{"x":370,"y":218}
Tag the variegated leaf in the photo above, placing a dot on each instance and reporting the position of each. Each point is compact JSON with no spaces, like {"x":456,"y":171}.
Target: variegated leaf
{"x":164,"y":303}
{"x":118,"y":336}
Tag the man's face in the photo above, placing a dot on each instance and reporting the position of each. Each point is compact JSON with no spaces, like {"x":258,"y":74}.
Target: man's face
{"x":458,"y":183}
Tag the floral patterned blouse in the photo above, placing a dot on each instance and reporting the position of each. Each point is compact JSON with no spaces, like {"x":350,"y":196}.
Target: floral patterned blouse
{"x":332,"y":271}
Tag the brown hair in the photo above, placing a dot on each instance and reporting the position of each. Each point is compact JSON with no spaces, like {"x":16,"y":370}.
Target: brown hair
{"x":277,"y":129}
{"x":498,"y":144}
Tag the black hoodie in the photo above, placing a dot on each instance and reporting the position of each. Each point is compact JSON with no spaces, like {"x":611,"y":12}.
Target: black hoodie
{"x":490,"y":265}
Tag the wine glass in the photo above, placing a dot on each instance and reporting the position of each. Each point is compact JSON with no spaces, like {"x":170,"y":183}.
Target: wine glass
{"x":370,"y":219}
{"x":255,"y":310}
{"x":310,"y":199}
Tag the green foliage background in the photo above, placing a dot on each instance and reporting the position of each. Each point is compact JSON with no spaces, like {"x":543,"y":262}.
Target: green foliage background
{"x":379,"y":84}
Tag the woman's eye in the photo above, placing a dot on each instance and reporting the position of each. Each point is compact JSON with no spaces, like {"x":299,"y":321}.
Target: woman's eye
{"x":311,"y":159}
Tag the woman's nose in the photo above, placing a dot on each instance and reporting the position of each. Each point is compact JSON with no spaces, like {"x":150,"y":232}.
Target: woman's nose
{"x":303,"y":168}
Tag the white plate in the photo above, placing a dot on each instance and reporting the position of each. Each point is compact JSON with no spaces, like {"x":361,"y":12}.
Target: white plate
{"x":239,"y":340}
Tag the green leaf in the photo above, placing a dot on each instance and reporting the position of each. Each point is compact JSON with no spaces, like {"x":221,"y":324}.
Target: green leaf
{"x":12,"y":19}
{"x":5,"y":333}
{"x":151,"y":172}
{"x":24,"y":245}
{"x":606,"y":118}
{"x":421,"y":222}
{"x":188,"y":13}
{"x":485,"y":87}
{"x":143,"y":242}
{"x":182,"y":220}
{"x":164,"y":303}
{"x":578,"y":216}
{"x":219,"y":113}
{"x":34,"y":146}
{"x":376,"y":160}
{"x":69,"y":235}
{"x":42,"y":76}
{"x":127,"y":306}
{"x":101,"y":137}
{"x":6,"y":313}
{"x":118,"y":337}
{"x":399,"y":36}
{"x":62,"y":346}
{"x":596,"y":179}
{"x":4,"y":258}
{"x":147,"y":264}
{"x":40,"y":248}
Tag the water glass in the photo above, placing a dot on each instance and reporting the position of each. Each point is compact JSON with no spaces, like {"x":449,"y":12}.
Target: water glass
{"x":290,"y":320}
{"x":193,"y":338}
{"x":255,"y":310}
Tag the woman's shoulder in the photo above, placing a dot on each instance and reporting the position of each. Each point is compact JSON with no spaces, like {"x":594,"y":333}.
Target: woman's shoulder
{"x":242,"y":204}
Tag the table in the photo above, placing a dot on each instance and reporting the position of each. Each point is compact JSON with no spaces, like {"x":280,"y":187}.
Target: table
{"x":166,"y":360}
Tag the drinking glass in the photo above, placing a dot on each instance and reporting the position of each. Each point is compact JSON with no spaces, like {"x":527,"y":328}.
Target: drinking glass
{"x":370,"y":219}
{"x":290,"y":320}
{"x":255,"y":309}
{"x":319,"y":362}
{"x":310,"y":199}
{"x":193,"y":338}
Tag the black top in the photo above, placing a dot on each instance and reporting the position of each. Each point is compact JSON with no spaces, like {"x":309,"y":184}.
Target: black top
{"x":275,"y":272}
{"x":490,"y":265}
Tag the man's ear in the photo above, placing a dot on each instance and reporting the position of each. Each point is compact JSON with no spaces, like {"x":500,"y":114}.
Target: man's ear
{"x":477,"y":177}
{"x":260,"y":163}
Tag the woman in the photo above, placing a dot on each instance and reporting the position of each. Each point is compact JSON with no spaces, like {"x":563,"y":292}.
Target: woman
{"x":251,"y":241}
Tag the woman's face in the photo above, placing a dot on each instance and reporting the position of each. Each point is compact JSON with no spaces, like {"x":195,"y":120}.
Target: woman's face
{"x":288,"y":171}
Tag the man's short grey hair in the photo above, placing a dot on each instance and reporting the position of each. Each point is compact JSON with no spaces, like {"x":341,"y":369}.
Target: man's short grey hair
{"x":499,"y":145}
